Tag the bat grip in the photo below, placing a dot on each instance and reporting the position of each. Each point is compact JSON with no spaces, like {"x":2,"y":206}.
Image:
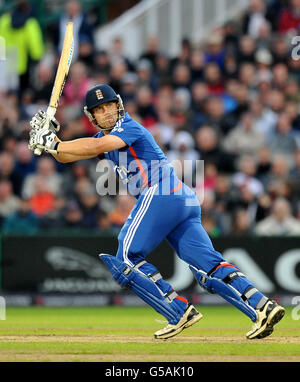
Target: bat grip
{"x":37,"y":151}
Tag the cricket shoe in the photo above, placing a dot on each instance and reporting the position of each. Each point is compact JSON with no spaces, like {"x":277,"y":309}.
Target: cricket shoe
{"x":267,"y":317}
{"x":189,"y":318}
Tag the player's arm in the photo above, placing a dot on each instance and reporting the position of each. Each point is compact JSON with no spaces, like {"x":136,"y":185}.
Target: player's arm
{"x":68,"y":151}
{"x":90,"y":147}
{"x":67,"y":158}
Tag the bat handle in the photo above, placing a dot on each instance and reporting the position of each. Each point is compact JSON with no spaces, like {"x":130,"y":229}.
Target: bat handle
{"x":37,"y":151}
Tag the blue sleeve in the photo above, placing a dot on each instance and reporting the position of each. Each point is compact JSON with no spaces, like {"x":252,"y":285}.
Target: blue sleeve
{"x":129,"y":132}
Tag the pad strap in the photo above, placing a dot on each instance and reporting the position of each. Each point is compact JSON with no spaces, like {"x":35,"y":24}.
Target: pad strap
{"x":138,"y":265}
{"x":232,"y":276}
{"x":249,"y":293}
{"x":171,"y":295}
{"x":155,"y":276}
{"x":262,"y":302}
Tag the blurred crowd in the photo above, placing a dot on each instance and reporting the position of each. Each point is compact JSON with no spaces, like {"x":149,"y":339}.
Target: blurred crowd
{"x":232,"y":101}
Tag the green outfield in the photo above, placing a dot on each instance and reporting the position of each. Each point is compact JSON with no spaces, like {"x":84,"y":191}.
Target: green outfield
{"x":126,"y":334}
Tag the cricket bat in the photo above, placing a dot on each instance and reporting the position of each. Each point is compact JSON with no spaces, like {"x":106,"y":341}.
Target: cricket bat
{"x":61,"y":76}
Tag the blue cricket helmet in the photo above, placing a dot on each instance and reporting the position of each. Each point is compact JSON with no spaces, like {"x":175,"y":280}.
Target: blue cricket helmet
{"x":100,"y":94}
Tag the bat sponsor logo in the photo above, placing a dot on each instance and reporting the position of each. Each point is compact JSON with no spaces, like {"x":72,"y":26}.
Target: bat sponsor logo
{"x":70,"y":54}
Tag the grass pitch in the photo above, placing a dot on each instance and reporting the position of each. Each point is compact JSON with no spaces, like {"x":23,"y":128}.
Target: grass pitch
{"x":110,"y":334}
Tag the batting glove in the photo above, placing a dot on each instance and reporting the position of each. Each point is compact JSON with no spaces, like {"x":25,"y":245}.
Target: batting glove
{"x":44,"y":140}
{"x":41,"y":119}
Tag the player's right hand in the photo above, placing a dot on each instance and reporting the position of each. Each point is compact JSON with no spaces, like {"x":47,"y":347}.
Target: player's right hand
{"x":40,"y":121}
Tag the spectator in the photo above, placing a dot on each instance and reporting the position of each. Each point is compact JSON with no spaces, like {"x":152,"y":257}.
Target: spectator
{"x":224,"y":194}
{"x":247,"y":75}
{"x":25,"y":163}
{"x":72,"y":217}
{"x":129,"y":87}
{"x":264,"y":163}
{"x":47,"y":172}
{"x":9,"y":203}
{"x":42,"y":198}
{"x":184,"y":55}
{"x":210,"y":176}
{"x":44,"y":83}
{"x":210,"y":225}
{"x":199,"y":93}
{"x":83,"y":29}
{"x":254,"y":18}
{"x":101,"y":63}
{"x":213,"y":78}
{"x":78,"y":171}
{"x":151,"y":51}
{"x":181,"y":108}
{"x":24,"y":41}
{"x":52,"y":219}
{"x":76,"y":86}
{"x":280,"y":222}
{"x":209,"y":150}
{"x":241,"y":223}
{"x":263,"y":60}
{"x":282,"y":141}
{"x":279,"y":49}
{"x":292,"y":111}
{"x":89,"y":205}
{"x":248,"y":201}
{"x":215,"y":50}
{"x":276,"y":101}
{"x":245,"y":177}
{"x":264,"y":119}
{"x":294,"y":175}
{"x":214,"y":219}
{"x":117,"y":72}
{"x":215,"y":115}
{"x":145,"y":106}
{"x":181,"y":76}
{"x":23,"y":221}
{"x":145,"y":75}
{"x":231,"y":67}
{"x":183,"y":156}
{"x":163,"y":69}
{"x":7,"y":171}
{"x":117,"y":53}
{"x":119,"y":215}
{"x":289,"y":18}
{"x":246,"y":49}
{"x":244,"y":139}
{"x":103,"y":222}
{"x":197,"y":64}
{"x":280,"y":76}
{"x":279,"y":171}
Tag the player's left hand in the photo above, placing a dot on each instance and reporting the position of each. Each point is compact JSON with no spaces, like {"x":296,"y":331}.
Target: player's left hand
{"x":43,"y":139}
{"x":42,"y":120}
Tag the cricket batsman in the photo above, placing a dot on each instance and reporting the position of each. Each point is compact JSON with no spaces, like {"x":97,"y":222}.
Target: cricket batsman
{"x":165,"y":208}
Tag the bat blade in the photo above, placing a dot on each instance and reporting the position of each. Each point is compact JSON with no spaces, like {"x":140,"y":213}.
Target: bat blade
{"x":61,"y":75}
